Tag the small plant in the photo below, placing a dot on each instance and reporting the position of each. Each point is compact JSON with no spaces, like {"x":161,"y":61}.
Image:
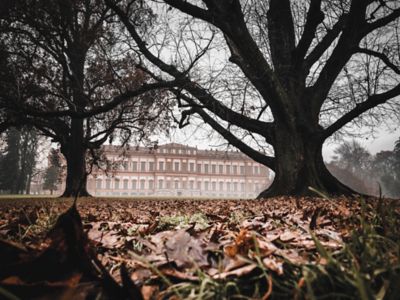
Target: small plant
{"x":182,"y":221}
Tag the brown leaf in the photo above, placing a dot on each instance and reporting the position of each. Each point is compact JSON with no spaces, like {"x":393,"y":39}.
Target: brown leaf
{"x":288,"y":236}
{"x":149,"y":229}
{"x":239,"y":272}
{"x":172,"y":272}
{"x":243,"y":242}
{"x":185,"y":250}
{"x":273,"y":265}
{"x":150,"y":292}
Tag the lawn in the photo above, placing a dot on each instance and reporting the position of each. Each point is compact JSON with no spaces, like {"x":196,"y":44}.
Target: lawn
{"x":162,"y":248}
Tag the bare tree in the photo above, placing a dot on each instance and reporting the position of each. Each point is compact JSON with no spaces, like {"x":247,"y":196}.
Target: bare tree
{"x":70,"y":76}
{"x":306,"y":70}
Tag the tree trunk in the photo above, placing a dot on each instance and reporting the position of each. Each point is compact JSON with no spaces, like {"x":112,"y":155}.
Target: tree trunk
{"x":28,"y":184}
{"x":299,"y":165}
{"x":75,"y":154}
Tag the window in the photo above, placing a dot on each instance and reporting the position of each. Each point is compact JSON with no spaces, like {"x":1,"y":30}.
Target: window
{"x":221,"y":186}
{"x":228,"y":186}
{"x":134,"y":166}
{"x":143,"y":166}
{"x":206,"y":185}
{"x":228,"y":169}
{"x":205,"y":168}
{"x":198,"y":168}
{"x":191,"y":184}
{"x":191,"y":166}
{"x":184,"y":167}
{"x":134,"y":184}
{"x":151,"y":166}
{"x":214,"y":186}
{"x":199,"y":185}
{"x":235,"y":170}
{"x":256,"y":187}
{"x":116,"y":183}
{"x":151,"y":184}
{"x":169,"y":166}
{"x":213,"y":169}
{"x":242,"y":187}
{"x":256,"y":170}
{"x":176,"y":166}
{"x":160,"y":184}
{"x":235,"y":186}
{"x":98,"y":184}
{"x":221,"y":169}
{"x":249,"y":169}
{"x":241,"y":170}
{"x":108,"y":184}
{"x":125,"y":184}
{"x":142,"y":184}
{"x":176,"y":184}
{"x":161,"y":166}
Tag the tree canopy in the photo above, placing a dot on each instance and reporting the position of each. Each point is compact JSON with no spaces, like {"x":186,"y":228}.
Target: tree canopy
{"x":288,"y":74}
{"x":67,"y":73}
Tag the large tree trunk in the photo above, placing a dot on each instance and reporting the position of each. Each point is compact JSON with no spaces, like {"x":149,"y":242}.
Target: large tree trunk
{"x":75,"y":154}
{"x":299,"y":165}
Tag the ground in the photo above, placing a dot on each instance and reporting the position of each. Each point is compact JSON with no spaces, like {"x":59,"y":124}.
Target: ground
{"x":281,"y":248}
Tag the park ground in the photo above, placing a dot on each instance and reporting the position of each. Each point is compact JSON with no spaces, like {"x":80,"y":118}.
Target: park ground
{"x":280,"y":248}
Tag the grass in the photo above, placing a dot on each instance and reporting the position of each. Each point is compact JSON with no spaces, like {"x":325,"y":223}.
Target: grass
{"x":367,"y":267}
{"x":181,"y":221}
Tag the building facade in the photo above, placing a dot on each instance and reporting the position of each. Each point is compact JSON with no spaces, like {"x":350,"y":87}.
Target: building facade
{"x":179,"y":170}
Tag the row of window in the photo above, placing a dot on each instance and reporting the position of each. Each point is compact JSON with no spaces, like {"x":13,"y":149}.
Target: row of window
{"x":151,"y":193}
{"x":176,"y":184}
{"x":191,"y":167}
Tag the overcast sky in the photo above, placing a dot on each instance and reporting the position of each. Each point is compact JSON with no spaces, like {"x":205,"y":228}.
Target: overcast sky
{"x":382,"y":140}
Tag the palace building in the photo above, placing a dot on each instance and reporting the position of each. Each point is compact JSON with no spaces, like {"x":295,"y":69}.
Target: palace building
{"x":179,"y":170}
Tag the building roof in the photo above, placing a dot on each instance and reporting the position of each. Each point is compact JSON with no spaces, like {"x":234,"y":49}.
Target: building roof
{"x":193,"y":151}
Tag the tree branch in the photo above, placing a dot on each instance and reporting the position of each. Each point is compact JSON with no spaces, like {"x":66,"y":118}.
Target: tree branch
{"x":28,"y":110}
{"x":383,"y":21}
{"x":314,"y":17}
{"x":232,"y":139}
{"x":198,"y":92}
{"x":228,"y":17}
{"x":371,"y":102}
{"x":227,"y":114}
{"x":325,"y":43}
{"x":190,"y":9}
{"x":381,"y":56}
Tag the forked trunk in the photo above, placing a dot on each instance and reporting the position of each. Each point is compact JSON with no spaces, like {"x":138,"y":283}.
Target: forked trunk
{"x":299,"y":165}
{"x":75,"y":155}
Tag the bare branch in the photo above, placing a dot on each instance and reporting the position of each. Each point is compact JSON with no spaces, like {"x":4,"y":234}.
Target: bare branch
{"x":381,"y":56}
{"x":190,"y":9}
{"x":257,"y":156}
{"x":314,"y":17}
{"x":383,"y":21}
{"x":360,"y":108}
{"x":325,"y":43}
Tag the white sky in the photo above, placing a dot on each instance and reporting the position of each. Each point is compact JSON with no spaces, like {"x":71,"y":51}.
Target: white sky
{"x":382,"y":140}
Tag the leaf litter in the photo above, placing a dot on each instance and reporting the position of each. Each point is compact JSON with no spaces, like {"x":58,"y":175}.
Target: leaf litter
{"x":137,"y":249}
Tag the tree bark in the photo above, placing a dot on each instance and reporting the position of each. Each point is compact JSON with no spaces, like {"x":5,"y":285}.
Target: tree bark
{"x":299,"y":165}
{"x":74,"y":152}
